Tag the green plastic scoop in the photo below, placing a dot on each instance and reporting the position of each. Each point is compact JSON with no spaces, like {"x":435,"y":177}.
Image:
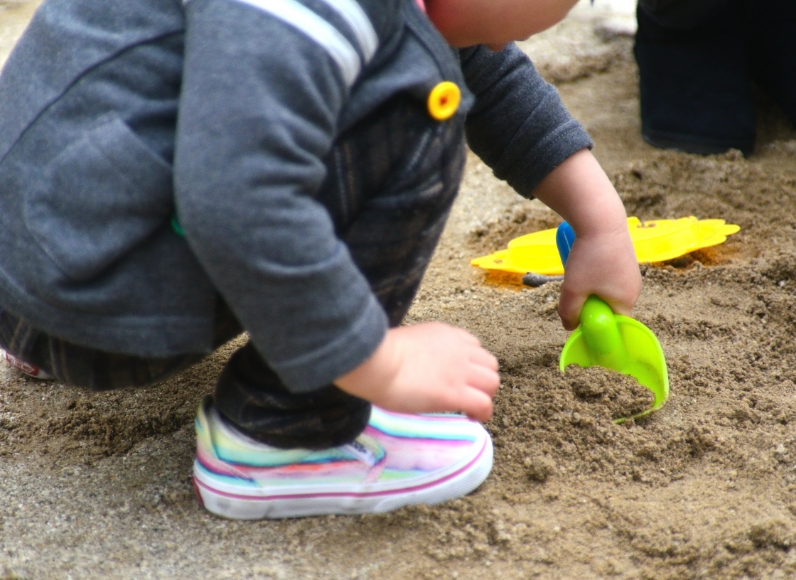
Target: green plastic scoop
{"x":613,"y":341}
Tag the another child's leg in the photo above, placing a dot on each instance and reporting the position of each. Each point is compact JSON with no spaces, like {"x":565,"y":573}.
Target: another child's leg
{"x":264,"y":451}
{"x":773,"y":48}
{"x":695,"y":90}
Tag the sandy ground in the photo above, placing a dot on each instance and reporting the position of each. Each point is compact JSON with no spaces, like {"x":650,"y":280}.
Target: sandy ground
{"x":97,"y":486}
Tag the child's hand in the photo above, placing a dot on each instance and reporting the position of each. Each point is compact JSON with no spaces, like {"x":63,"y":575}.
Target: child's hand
{"x":602,"y":260}
{"x":427,"y":368}
{"x":603,"y":264}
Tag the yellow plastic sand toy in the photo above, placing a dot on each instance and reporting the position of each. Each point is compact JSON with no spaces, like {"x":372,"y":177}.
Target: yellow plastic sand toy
{"x":655,"y":241}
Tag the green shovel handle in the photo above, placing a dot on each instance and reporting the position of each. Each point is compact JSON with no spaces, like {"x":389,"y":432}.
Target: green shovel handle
{"x":601,"y":332}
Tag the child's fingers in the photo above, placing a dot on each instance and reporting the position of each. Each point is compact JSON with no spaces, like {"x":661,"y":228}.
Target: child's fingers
{"x":484,"y":380}
{"x":619,"y":307}
{"x":475,"y":404}
{"x":569,"y":307}
{"x":484,"y":358}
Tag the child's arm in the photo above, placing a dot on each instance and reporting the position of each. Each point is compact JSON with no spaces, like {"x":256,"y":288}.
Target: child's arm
{"x":254,"y":131}
{"x":521,"y":129}
{"x":436,"y":367}
{"x":602,"y":260}
{"x":259,"y":109}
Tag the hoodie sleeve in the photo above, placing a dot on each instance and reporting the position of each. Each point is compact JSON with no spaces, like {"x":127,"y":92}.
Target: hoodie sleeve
{"x":264,"y":83}
{"x":518,"y":125}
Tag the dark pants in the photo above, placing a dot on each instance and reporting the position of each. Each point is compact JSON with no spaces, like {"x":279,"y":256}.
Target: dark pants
{"x":698,"y":60}
{"x":681,"y":14}
{"x":390,"y":185}
{"x":760,"y":34}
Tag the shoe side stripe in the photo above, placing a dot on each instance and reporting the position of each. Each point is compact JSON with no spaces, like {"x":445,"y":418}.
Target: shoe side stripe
{"x":224,"y":476}
{"x":423,"y":427}
{"x":345,"y":469}
{"x":287,"y":481}
{"x":253,"y":463}
{"x":248,"y":457}
{"x":457,"y":438}
{"x":218,"y":467}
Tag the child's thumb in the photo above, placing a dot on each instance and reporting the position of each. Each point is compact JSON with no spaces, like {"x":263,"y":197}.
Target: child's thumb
{"x":569,"y":307}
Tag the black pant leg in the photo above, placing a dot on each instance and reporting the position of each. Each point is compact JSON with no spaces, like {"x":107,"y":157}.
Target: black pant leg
{"x":773,"y":50}
{"x":694,"y":81}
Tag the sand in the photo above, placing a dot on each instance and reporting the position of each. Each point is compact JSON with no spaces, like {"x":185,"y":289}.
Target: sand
{"x":98,"y":485}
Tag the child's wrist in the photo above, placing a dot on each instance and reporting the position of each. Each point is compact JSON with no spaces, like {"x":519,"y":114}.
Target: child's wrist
{"x":609,"y":226}
{"x":580,"y":191}
{"x":605,"y":216}
{"x":378,"y":370}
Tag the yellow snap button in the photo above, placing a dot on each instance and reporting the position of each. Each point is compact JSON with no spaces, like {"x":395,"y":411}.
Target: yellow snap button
{"x":443,"y":101}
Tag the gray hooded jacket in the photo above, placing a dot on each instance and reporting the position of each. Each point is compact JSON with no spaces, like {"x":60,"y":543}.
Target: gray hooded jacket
{"x":114,"y":115}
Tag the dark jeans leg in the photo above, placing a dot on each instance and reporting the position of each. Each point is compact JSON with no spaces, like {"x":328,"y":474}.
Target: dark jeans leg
{"x":95,"y":369}
{"x":253,"y":398}
{"x":390,"y":186}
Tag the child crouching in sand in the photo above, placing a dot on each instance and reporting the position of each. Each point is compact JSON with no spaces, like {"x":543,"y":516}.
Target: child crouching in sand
{"x":176,"y":174}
